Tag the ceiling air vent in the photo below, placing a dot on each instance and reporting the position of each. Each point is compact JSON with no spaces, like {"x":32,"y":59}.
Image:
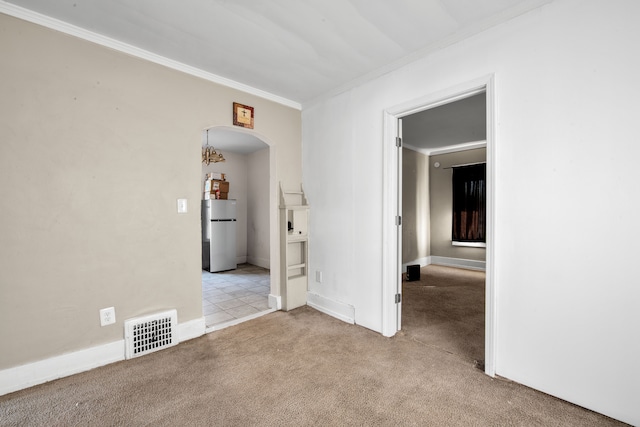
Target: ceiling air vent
{"x":144,"y":335}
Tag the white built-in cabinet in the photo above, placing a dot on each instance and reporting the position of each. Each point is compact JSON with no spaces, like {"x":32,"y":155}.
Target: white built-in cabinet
{"x":294,"y":247}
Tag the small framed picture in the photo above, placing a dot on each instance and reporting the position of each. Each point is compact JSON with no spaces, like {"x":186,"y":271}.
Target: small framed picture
{"x":243,"y":115}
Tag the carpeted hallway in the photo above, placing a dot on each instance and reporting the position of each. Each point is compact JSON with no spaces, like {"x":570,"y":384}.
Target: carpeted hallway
{"x":294,"y":368}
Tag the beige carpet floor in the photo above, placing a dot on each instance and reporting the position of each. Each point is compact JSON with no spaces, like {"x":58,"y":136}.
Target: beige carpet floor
{"x":293,"y":368}
{"x":445,"y":310}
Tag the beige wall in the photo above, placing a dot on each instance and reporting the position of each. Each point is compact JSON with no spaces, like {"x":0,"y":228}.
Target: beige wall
{"x":96,"y":148}
{"x":258,"y":239}
{"x":415,"y":206}
{"x":442,"y":204}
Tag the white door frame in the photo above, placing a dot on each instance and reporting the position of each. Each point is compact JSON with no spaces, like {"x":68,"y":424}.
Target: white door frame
{"x":391,"y":275}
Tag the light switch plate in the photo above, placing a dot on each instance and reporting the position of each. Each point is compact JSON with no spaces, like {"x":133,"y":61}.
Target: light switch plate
{"x":182,"y":205}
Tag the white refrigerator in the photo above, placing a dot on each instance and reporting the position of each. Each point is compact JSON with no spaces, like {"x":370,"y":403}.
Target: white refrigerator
{"x":218,"y":235}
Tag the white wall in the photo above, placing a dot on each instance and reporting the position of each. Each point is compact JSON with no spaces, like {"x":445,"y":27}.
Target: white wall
{"x":258,"y":250}
{"x":566,"y":93}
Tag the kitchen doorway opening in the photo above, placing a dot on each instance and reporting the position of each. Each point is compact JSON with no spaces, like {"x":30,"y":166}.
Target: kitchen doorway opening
{"x":233,"y":295}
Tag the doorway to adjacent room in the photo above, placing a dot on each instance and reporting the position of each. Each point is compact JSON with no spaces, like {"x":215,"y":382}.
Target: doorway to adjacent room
{"x":393,"y":203}
{"x":443,"y":293}
{"x":236,"y":295}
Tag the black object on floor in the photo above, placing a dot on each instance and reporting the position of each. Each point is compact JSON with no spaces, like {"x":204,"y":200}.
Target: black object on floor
{"x":413,"y":272}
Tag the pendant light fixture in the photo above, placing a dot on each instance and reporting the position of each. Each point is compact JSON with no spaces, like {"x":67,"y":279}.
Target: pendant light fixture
{"x":209,"y":154}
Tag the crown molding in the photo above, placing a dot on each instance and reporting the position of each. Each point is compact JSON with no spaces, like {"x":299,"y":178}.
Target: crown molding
{"x":448,"y":149}
{"x":64,"y":27}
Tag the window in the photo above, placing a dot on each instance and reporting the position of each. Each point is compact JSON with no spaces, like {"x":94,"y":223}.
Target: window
{"x":469,"y":203}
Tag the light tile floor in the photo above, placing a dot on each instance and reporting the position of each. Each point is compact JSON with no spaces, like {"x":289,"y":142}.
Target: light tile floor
{"x":234,"y":294}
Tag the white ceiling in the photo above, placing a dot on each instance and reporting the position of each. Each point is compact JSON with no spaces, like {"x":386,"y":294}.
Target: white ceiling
{"x":298,"y":50}
{"x":454,"y":124}
{"x":295,"y":50}
{"x":230,"y":140}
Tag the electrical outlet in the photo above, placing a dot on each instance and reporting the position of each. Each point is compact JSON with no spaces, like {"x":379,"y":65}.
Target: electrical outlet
{"x":107,"y":316}
{"x":318,"y":276}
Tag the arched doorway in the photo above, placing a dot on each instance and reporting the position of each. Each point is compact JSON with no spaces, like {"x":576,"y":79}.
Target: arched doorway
{"x":252,"y":289}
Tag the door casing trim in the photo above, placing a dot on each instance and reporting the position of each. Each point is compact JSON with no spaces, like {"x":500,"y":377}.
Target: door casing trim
{"x":390,"y":265}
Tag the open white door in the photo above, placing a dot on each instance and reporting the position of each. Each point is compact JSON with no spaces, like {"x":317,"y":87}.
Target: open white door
{"x":391,"y":233}
{"x":398,"y":297}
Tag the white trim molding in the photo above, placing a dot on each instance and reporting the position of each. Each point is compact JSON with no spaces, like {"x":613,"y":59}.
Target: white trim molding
{"x":64,"y":365}
{"x":446,"y":261}
{"x":448,"y":149}
{"x":191,"y":329}
{"x":275,"y":301}
{"x":390,"y":205}
{"x":337,"y":309}
{"x":42,"y":371}
{"x":459,"y":262}
{"x":469,"y":244}
{"x":391,"y":235}
{"x":72,"y":30}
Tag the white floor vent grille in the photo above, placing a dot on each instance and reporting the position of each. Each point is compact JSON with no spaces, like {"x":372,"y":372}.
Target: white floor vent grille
{"x":144,"y":335}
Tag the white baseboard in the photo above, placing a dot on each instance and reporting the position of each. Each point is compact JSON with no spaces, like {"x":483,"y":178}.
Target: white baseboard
{"x":275,"y":301}
{"x":20,"y":377}
{"x":446,"y":261}
{"x":191,"y":329}
{"x":337,"y":309}
{"x":458,"y":262}
{"x":260,"y":262}
{"x":42,"y":371}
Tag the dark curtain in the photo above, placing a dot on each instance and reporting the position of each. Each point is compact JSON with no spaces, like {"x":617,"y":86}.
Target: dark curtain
{"x":469,"y":203}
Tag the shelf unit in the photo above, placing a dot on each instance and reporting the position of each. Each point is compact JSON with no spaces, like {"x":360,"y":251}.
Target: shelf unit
{"x":294,"y":241}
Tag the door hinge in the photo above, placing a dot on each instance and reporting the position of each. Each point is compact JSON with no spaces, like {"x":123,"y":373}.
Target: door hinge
{"x":398,"y":142}
{"x":398,"y":220}
{"x":398,"y":298}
